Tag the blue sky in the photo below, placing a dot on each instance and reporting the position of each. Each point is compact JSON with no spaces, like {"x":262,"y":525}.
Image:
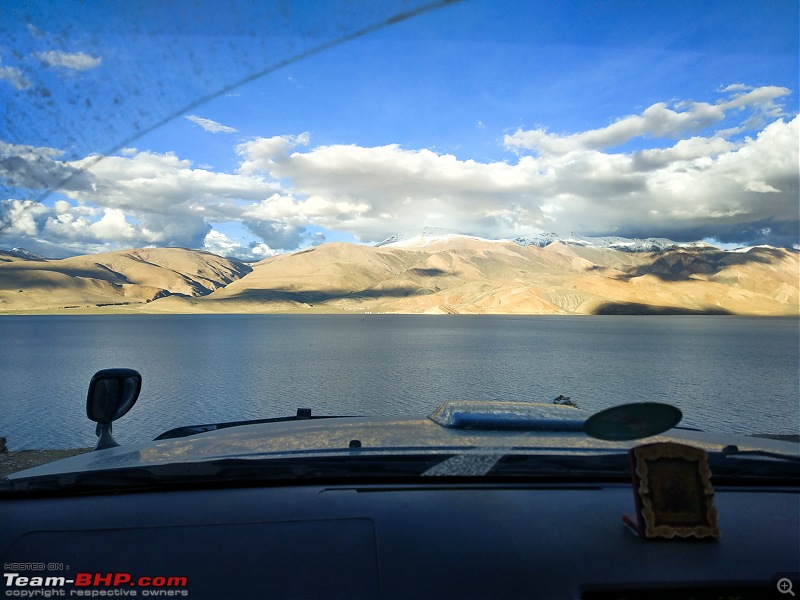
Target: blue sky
{"x":499,"y":119}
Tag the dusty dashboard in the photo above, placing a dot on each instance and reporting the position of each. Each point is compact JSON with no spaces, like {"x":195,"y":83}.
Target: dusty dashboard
{"x":432,"y":540}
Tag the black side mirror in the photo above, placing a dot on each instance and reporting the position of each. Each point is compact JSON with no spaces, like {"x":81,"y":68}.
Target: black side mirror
{"x":112,"y":393}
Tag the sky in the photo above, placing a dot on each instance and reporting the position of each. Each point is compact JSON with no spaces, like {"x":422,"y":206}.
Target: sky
{"x":250,"y":129}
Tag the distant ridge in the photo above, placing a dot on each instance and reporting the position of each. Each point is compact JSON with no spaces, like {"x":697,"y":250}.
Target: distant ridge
{"x":433,"y":272}
{"x":23,"y":254}
{"x":542,"y":240}
{"x":422,"y":237}
{"x":613,"y":242}
{"x":121,"y":280}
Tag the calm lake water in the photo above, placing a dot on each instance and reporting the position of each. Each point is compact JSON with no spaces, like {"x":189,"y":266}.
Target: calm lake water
{"x":726,"y":374}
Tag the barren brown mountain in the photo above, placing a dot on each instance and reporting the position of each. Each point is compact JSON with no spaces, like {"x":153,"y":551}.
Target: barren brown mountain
{"x":112,"y":281}
{"x":456,"y":274}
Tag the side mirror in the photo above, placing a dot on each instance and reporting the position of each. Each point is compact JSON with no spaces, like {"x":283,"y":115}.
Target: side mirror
{"x":112,"y":393}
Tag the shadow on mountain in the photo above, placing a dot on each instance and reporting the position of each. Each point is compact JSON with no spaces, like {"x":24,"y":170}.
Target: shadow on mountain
{"x":312,"y":297}
{"x":636,"y":308}
{"x":430,"y":272}
{"x":680,"y":265}
{"x":30,"y":280}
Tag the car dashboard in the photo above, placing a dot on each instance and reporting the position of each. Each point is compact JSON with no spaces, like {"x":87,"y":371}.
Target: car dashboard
{"x":444,"y":538}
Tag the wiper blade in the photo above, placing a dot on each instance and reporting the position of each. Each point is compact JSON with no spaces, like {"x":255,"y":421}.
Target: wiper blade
{"x":303,"y":414}
{"x":733,"y":465}
{"x":733,"y":451}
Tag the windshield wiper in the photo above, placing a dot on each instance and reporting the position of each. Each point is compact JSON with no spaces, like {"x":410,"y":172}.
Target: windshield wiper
{"x":733,"y":452}
{"x":303,"y":414}
{"x":732,"y":465}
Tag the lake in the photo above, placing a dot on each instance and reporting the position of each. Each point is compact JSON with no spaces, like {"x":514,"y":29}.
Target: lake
{"x":729,"y":374}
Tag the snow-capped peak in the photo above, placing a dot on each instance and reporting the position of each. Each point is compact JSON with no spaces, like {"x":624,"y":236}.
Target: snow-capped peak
{"x":22,"y":253}
{"x":423,"y":238}
{"x":542,"y":239}
{"x":613,"y":242}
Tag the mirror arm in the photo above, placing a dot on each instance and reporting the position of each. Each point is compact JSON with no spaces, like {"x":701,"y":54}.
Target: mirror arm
{"x":103,"y":431}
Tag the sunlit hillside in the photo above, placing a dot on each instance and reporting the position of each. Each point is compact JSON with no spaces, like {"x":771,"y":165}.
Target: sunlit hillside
{"x":457,"y":274}
{"x":110,"y":281}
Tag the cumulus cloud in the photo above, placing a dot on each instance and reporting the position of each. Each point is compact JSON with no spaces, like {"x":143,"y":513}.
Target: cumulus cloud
{"x":368,"y":191}
{"x":20,"y":216}
{"x":719,"y":183}
{"x":258,"y":155}
{"x":218,"y":243}
{"x":698,"y":186}
{"x":37,"y":168}
{"x":764,"y":99}
{"x":209,"y":125}
{"x":136,"y":199}
{"x":160,"y":183}
{"x":112,"y":226}
{"x":691,"y":149}
{"x":656,"y":121}
{"x":75,"y":61}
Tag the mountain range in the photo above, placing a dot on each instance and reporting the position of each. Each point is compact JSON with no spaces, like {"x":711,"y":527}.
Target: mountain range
{"x":434,"y":272}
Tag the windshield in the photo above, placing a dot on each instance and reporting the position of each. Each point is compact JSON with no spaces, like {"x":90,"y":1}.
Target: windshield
{"x":370,"y":209}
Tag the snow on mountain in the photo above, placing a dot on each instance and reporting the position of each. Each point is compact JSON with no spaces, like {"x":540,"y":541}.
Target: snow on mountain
{"x":25,"y":254}
{"x":746,"y":249}
{"x":423,"y":238}
{"x":614,"y":242}
{"x":432,"y":234}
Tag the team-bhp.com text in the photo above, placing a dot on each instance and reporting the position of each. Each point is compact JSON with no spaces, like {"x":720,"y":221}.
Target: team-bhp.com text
{"x":93,"y":585}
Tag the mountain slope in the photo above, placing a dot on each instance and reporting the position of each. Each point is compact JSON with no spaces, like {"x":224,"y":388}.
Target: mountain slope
{"x":125,"y":278}
{"x":461,"y":274}
{"x":436,"y":274}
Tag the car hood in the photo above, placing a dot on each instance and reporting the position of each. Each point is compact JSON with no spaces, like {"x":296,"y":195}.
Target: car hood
{"x":362,"y":436}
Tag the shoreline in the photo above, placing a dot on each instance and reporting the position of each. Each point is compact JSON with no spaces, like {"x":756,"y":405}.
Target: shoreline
{"x":12,"y":461}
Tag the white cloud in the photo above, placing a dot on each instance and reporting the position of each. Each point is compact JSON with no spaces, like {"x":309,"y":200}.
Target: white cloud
{"x":209,"y":125}
{"x":284,"y":189}
{"x":76,"y":61}
{"x":694,"y":148}
{"x":368,"y":191}
{"x":695,"y":185}
{"x":656,"y":121}
{"x":258,"y":155}
{"x":20,"y":216}
{"x":113,"y":226}
{"x":36,"y":168}
{"x":138,"y":199}
{"x":15,"y":77}
{"x":218,"y":243}
{"x":736,"y":87}
{"x":762,"y":98}
{"x":161,"y":183}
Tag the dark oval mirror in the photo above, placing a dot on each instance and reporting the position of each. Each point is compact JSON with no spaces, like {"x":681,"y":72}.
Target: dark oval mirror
{"x":632,"y":421}
{"x":112,"y":393}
